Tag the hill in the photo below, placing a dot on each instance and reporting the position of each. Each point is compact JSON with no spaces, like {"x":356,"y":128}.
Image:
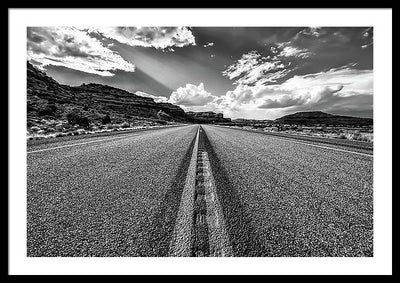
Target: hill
{"x":46,"y":97}
{"x":312,"y":118}
{"x":54,"y":108}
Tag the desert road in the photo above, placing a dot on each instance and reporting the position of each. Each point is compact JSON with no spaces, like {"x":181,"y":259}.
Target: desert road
{"x":198,"y":191}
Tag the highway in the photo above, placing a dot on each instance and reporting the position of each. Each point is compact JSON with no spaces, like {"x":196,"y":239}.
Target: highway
{"x":121,"y":195}
{"x":110,"y":196}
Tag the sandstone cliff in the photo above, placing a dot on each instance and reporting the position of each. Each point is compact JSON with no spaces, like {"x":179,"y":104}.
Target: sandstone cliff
{"x":44,"y":94}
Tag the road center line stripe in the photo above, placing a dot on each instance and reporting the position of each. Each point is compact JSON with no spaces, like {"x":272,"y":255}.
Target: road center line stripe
{"x":218,"y":236}
{"x":181,"y":238}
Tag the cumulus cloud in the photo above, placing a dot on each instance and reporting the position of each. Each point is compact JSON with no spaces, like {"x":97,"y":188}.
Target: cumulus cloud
{"x":157,"y":37}
{"x":353,"y":81}
{"x":154,"y":97}
{"x":311,"y":98}
{"x":338,"y":89}
{"x":72,"y":48}
{"x":191,"y":95}
{"x":322,"y":91}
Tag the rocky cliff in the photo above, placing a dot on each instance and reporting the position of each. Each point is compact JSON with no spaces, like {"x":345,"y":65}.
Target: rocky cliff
{"x":207,"y":117}
{"x":46,"y":97}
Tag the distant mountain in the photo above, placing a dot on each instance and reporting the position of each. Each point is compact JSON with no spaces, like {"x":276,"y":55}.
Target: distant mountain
{"x":310,"y":118}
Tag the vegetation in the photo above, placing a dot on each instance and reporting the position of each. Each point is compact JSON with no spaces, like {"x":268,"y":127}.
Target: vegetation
{"x":106,"y":120}
{"x":76,"y":118}
{"x":48,"y":110}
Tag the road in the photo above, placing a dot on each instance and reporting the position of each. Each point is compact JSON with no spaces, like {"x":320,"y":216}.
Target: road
{"x":293,"y":199}
{"x":121,"y":195}
{"x":106,"y":196}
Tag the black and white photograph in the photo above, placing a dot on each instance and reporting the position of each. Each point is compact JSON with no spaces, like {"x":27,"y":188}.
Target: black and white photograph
{"x":201,"y":143}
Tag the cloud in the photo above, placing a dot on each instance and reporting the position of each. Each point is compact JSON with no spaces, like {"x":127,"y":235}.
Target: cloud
{"x":208,"y":44}
{"x":73,"y":48}
{"x":291,"y":51}
{"x":311,"y":31}
{"x":311,"y":98}
{"x":154,"y":97}
{"x":252,"y":69}
{"x":323,"y":91}
{"x":156,"y":37}
{"x":353,"y":81}
{"x":367,"y":32}
{"x":284,"y":101}
{"x":341,"y":90}
{"x":191,"y":95}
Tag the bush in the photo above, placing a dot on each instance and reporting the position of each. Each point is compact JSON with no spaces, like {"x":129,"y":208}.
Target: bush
{"x":106,"y":120}
{"x":76,"y":118}
{"x":49,"y":110}
{"x":35,"y":129}
{"x":125,"y":125}
{"x":50,"y":130}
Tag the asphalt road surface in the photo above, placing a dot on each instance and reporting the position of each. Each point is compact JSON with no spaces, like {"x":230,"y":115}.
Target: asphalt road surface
{"x":119,"y":195}
{"x":105,"y":196}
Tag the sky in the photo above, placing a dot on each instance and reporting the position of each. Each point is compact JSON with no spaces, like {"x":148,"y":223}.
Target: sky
{"x":243,"y":72}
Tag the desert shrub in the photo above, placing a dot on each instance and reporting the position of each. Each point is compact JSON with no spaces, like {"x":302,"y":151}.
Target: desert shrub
{"x":76,"y":118}
{"x":106,"y":120}
{"x":49,"y":110}
{"x":73,"y":117}
{"x":84,"y":121}
{"x":50,"y":130}
{"x":78,"y":132}
{"x":35,"y":129}
{"x":125,"y":125}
